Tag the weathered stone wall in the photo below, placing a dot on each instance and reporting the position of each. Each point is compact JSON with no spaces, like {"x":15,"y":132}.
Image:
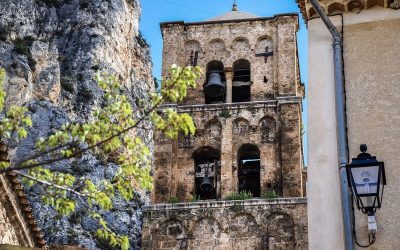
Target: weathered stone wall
{"x":279,"y":144}
{"x":252,"y":224}
{"x":270,"y":121}
{"x":51,"y":51}
{"x":230,"y":41}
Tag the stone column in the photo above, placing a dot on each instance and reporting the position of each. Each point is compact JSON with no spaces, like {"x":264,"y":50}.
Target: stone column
{"x":229,"y":78}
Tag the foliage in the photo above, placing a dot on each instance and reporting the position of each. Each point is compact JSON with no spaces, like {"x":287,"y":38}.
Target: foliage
{"x":242,"y":195}
{"x":111,"y":131}
{"x":195,"y":198}
{"x":173,"y":200}
{"x":225,"y":113}
{"x":270,"y":195}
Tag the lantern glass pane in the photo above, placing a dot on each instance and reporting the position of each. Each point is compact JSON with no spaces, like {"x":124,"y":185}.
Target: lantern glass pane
{"x":366,"y":179}
{"x":368,"y":201}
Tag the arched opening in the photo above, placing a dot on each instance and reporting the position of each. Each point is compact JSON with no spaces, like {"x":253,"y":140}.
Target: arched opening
{"x":207,"y":165}
{"x":215,"y":85}
{"x":241,"y":81}
{"x":249,"y":169}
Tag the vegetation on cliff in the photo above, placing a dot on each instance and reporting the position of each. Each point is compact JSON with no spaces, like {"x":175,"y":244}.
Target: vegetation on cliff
{"x":109,"y":133}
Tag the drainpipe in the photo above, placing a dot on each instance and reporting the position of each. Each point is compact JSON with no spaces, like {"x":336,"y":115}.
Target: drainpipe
{"x":341,"y":123}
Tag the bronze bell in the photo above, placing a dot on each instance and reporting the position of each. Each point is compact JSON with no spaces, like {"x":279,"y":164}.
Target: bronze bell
{"x":214,"y":86}
{"x":206,"y":185}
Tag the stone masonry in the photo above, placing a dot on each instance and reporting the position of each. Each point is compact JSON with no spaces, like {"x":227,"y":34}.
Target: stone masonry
{"x":247,"y":225}
{"x":248,"y":138}
{"x":271,"y":120}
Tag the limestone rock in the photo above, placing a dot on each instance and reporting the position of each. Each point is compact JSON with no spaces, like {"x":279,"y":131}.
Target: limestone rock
{"x":51,"y":51}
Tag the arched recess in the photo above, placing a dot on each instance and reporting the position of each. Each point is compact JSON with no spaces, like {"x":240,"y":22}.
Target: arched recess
{"x":241,"y":84}
{"x":206,"y":232}
{"x":264,"y":43}
{"x":241,"y":126}
{"x":355,"y":6}
{"x":335,"y":8}
{"x":192,"y":50}
{"x":215,"y":85}
{"x":213,"y":129}
{"x":280,"y":231}
{"x":243,"y":225}
{"x":249,"y":169}
{"x":267,"y":129}
{"x":241,"y":44}
{"x":206,"y":165}
{"x":217,"y":45}
{"x":170,"y":232}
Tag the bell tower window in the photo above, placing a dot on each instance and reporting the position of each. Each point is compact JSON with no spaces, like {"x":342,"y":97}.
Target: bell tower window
{"x":206,"y":164}
{"x":215,"y":85}
{"x":249,"y":169}
{"x":241,"y":81}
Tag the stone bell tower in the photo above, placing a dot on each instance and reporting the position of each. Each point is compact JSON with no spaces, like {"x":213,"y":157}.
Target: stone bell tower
{"x":247,"y":112}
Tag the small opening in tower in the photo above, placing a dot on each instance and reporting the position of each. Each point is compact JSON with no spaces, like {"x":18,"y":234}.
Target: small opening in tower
{"x":206,"y":164}
{"x":249,"y":169}
{"x":241,"y":81}
{"x":215,"y":85}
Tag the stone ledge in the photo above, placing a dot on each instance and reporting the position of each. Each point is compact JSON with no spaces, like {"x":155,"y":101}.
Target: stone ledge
{"x":223,"y":204}
{"x":234,"y":106}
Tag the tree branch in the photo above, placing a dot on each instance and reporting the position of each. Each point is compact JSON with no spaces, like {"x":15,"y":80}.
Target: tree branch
{"x":14,"y":167}
{"x":47,"y":183}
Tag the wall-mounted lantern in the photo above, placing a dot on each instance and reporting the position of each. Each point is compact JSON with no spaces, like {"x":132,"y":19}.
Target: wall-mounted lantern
{"x":367,"y":179}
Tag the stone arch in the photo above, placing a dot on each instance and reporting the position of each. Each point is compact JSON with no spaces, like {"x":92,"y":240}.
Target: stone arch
{"x":312,"y":12}
{"x":213,"y":129}
{"x":263,"y":42}
{"x":336,"y":8}
{"x":192,"y":50}
{"x":217,"y":45}
{"x":172,"y":228}
{"x":206,"y":227}
{"x":192,"y":45}
{"x":170,"y":233}
{"x":241,"y":126}
{"x":280,"y":231}
{"x":241,"y":44}
{"x":243,"y":225}
{"x":355,"y":6}
{"x":267,"y":129}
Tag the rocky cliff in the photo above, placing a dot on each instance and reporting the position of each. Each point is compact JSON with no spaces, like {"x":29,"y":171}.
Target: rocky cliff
{"x":51,"y":50}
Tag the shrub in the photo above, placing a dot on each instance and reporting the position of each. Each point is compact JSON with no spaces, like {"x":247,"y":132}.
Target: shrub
{"x":173,"y":200}
{"x":270,"y":195}
{"x":195,"y":198}
{"x":242,"y":195}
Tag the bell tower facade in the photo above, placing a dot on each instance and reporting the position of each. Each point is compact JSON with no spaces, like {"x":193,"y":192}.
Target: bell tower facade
{"x":247,"y":110}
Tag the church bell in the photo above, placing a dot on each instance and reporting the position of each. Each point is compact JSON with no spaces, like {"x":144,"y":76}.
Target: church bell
{"x":214,"y":87}
{"x":206,"y":185}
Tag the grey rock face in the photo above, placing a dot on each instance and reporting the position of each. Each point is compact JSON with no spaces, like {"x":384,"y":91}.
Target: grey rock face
{"x":52,"y":50}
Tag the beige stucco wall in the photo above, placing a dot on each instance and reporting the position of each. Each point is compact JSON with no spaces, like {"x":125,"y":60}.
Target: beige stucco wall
{"x":373,"y":98}
{"x":371,"y":56}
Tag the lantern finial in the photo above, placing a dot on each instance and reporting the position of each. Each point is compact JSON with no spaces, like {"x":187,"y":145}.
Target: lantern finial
{"x":363,"y":148}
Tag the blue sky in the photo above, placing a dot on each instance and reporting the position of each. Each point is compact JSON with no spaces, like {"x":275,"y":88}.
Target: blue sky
{"x":156,"y":11}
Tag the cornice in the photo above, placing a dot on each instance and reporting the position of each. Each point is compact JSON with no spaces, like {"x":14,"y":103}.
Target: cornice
{"x":333,"y":7}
